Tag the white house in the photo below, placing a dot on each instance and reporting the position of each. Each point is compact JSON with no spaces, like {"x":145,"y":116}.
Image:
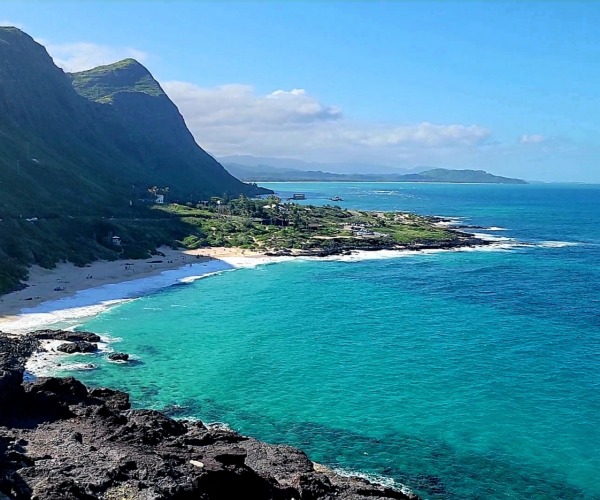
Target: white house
{"x":160,"y":199}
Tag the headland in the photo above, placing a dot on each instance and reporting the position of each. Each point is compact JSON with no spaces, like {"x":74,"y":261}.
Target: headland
{"x":242,"y":229}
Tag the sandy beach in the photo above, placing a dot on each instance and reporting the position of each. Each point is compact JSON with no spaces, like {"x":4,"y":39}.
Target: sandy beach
{"x":69,"y":290}
{"x":66,"y":279}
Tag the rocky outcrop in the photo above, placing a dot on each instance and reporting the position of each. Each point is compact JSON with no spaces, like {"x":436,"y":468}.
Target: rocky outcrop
{"x":118,"y":356}
{"x":14,"y":353}
{"x":59,"y":440}
{"x":343,"y":246}
{"x":77,"y":347}
{"x":66,"y":336}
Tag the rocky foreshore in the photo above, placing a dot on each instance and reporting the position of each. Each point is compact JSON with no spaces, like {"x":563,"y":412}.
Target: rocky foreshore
{"x":61,"y":440}
{"x":346,"y":247}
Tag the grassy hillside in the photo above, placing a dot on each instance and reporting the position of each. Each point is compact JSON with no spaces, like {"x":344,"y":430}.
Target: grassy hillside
{"x":102,"y":83}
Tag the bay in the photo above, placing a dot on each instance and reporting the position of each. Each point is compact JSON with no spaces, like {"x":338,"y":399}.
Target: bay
{"x":467,"y":374}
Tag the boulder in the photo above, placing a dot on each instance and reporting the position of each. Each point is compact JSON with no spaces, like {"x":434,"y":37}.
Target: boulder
{"x":65,"y":335}
{"x":118,"y":356}
{"x":77,"y":347}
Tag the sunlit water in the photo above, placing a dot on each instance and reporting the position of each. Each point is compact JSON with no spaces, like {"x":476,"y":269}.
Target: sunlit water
{"x":461,"y":374}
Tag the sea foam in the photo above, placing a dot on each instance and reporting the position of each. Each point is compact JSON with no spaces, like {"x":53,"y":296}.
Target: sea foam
{"x":68,"y":311}
{"x":93,"y":301}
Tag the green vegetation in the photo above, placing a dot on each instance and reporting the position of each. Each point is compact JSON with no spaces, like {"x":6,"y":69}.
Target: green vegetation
{"x":256,"y":224}
{"x":80,"y":240}
{"x":101,"y":84}
{"x":81,"y":152}
{"x":270,"y":225}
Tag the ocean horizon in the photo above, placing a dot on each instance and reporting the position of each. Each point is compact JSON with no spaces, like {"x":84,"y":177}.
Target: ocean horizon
{"x":467,"y":373}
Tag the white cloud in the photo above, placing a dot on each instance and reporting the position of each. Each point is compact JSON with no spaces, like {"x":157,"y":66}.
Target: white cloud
{"x":429,"y":134}
{"x":532,"y":139}
{"x":235,"y":119}
{"x":239,"y":105}
{"x":83,"y":55}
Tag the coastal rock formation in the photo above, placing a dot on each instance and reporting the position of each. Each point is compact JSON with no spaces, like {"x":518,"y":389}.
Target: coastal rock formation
{"x":66,"y":336}
{"x":77,"y":347}
{"x":118,"y":356}
{"x":343,"y":247}
{"x":60,"y":440}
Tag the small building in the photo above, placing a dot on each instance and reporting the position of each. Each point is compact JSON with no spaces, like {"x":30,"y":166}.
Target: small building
{"x":160,"y":199}
{"x":116,"y":241}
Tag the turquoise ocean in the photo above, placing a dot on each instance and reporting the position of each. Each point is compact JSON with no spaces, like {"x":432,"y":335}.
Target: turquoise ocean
{"x":461,"y":374}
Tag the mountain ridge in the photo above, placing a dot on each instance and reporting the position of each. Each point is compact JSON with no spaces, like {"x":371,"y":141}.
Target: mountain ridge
{"x":78,"y":150}
{"x":295,"y":164}
{"x":264,"y":173}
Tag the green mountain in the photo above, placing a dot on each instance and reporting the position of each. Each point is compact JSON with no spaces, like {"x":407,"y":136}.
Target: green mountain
{"x":264,"y":173}
{"x":78,"y":147}
{"x":465,"y":176}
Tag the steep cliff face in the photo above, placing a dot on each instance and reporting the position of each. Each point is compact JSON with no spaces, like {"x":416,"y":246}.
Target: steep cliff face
{"x":165,"y":145}
{"x":85,"y":140}
{"x":47,"y":134}
{"x":34,"y":93}
{"x":76,"y":149}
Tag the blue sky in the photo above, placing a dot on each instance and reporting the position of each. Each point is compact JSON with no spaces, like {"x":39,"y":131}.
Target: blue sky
{"x":508,"y":87}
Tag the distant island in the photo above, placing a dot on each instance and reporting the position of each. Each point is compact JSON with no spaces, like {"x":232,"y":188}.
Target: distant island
{"x":265,"y":173}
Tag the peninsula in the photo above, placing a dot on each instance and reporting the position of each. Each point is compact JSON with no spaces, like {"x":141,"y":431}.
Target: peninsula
{"x":219,"y":227}
{"x":277,"y":227}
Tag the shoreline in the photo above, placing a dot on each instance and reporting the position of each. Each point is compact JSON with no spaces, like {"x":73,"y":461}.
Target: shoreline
{"x":60,"y":285}
{"x":69,"y":293}
{"x":92,"y":441}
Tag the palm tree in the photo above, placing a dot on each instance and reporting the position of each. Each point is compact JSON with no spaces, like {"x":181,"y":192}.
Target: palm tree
{"x":272,"y":203}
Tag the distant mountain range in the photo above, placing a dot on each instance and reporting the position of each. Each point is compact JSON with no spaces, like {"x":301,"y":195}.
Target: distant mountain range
{"x":266,"y":173}
{"x":333,"y":167}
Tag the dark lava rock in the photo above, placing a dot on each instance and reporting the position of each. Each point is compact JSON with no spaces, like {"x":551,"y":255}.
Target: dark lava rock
{"x":69,"y":389}
{"x":76,"y":347}
{"x":60,"y":441}
{"x":14,"y":353}
{"x":114,"y":400}
{"x":118,"y":356}
{"x":66,"y":336}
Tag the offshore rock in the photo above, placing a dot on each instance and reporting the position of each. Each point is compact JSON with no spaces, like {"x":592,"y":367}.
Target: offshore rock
{"x":118,"y":356}
{"x":80,"y":346}
{"x":59,"y":440}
